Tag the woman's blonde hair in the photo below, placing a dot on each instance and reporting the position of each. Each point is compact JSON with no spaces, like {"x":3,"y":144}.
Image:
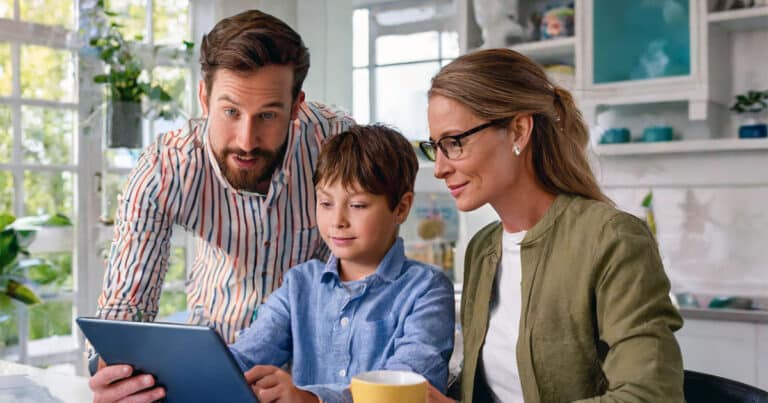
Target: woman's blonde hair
{"x":498,"y":84}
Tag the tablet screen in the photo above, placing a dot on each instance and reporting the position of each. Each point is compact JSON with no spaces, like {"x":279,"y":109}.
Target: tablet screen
{"x":192,"y":362}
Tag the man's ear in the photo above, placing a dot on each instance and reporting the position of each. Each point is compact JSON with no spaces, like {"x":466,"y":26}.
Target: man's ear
{"x":297,"y":104}
{"x":520,"y":128}
{"x":403,"y":207}
{"x":202,"y":97}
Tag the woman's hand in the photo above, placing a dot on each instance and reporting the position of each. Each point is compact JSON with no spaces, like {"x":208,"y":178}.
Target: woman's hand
{"x":434,"y":396}
{"x":272,"y":384}
{"x":116,"y":383}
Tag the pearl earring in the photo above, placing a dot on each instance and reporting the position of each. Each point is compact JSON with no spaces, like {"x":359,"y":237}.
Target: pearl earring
{"x":516,"y":148}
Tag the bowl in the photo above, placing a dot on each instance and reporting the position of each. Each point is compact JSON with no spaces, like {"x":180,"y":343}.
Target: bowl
{"x":615,"y":135}
{"x":657,"y":133}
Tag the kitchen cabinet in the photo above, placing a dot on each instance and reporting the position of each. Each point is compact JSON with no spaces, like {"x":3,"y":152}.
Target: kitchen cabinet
{"x":731,"y":349}
{"x":702,"y":57}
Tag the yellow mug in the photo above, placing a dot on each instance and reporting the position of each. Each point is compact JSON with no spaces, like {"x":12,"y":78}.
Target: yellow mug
{"x":388,"y":387}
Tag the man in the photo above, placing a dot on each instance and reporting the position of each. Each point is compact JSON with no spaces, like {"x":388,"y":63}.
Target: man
{"x":240,"y":179}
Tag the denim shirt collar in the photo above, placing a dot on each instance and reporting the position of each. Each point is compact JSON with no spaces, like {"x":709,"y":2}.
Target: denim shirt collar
{"x":389,"y":268}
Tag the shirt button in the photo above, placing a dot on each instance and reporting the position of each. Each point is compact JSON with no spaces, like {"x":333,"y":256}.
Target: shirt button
{"x":343,"y":373}
{"x":266,"y":243}
{"x":344,"y":321}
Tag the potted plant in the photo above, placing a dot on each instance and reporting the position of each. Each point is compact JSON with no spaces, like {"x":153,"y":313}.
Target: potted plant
{"x":14,"y":262}
{"x":752,"y":106}
{"x":126,"y":79}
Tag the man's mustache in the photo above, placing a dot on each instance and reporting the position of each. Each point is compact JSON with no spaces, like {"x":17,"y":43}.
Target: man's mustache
{"x":256,"y":152}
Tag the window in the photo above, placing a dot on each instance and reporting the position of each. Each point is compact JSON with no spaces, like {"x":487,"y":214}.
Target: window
{"x":397,"y":48}
{"x":52,"y":162}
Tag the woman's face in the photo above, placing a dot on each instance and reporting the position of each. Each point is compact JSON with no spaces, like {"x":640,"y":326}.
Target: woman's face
{"x":486,"y":169}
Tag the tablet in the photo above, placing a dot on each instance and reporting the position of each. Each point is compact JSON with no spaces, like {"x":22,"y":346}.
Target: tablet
{"x":192,"y":362}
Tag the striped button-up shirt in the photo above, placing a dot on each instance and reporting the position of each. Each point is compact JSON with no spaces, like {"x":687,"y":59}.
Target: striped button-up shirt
{"x":246,"y":240}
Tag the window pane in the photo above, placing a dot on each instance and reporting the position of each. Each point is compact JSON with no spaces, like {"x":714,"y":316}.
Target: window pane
{"x":402,"y":97}
{"x":133,"y":16}
{"x":59,"y":276}
{"x":9,"y":325}
{"x":122,"y":157}
{"x":6,"y":75}
{"x":6,"y":9}
{"x":47,"y":73}
{"x":6,"y":192}
{"x":6,"y":135}
{"x":173,"y":299}
{"x":175,"y":81}
{"x":450,"y":44}
{"x":406,"y":48}
{"x":170,"y":19}
{"x":50,"y":319}
{"x":361,"y":101}
{"x":113,"y":185}
{"x":49,"y":193}
{"x":360,"y":38}
{"x":48,"y":12}
{"x":47,"y":135}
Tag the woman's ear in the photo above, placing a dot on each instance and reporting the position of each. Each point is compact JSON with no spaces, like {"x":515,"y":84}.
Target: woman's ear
{"x":520,"y":128}
{"x":403,"y":207}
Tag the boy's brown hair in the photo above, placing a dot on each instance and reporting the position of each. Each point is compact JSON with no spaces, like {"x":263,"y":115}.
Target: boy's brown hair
{"x":250,"y":40}
{"x":376,"y":158}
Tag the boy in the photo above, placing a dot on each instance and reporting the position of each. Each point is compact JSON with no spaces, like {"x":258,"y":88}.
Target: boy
{"x":368,"y":307}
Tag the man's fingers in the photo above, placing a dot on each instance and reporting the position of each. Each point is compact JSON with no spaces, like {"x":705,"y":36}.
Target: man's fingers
{"x":104,"y":376}
{"x":120,"y":390}
{"x":258,"y":372}
{"x":148,"y":396}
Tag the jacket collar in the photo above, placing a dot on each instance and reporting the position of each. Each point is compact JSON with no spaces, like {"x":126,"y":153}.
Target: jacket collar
{"x":534,"y":234}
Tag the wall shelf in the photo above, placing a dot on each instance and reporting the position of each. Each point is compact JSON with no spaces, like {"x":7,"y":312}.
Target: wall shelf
{"x":546,"y":51}
{"x":681,"y":147}
{"x":747,"y":19}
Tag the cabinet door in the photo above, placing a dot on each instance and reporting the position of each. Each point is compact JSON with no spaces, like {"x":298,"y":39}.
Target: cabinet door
{"x":726,"y":349}
{"x":762,"y":356}
{"x":640,"y":40}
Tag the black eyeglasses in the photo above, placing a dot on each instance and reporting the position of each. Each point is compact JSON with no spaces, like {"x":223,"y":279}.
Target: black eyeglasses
{"x":451,"y":145}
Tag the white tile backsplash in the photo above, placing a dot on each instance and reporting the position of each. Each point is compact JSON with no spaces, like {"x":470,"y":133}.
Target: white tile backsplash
{"x":714,"y":240}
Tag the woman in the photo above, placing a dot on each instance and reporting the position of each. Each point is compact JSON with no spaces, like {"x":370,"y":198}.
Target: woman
{"x":565,"y":299}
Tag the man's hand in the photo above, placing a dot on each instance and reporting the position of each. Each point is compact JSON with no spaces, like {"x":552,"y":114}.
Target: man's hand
{"x":434,"y":396}
{"x":272,"y":384}
{"x":115,"y":383}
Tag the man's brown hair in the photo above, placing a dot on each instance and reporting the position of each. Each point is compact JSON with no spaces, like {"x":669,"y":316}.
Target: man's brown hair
{"x":376,"y":158}
{"x":250,"y":40}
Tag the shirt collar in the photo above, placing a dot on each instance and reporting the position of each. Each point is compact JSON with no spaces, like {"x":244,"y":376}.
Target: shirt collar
{"x":389,"y":269}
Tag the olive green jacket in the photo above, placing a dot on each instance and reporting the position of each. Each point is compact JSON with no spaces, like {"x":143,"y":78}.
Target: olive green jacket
{"x":596,"y":323}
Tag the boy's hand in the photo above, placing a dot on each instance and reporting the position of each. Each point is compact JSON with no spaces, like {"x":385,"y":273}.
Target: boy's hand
{"x":434,"y":396}
{"x":272,"y":384}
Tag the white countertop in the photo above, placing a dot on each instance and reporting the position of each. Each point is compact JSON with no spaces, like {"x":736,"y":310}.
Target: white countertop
{"x":23,"y":383}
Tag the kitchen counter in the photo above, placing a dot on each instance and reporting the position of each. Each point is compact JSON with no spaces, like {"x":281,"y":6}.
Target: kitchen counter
{"x":723,"y":314}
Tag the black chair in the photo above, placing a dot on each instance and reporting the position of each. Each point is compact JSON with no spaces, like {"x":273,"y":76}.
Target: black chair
{"x":705,"y":388}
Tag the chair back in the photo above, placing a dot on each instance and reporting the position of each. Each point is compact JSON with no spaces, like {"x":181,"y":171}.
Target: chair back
{"x":706,"y":388}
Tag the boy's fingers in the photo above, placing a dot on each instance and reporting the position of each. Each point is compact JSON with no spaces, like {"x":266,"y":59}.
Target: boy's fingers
{"x":268,"y":381}
{"x":268,"y":395}
{"x":258,"y":372}
{"x":125,"y":389}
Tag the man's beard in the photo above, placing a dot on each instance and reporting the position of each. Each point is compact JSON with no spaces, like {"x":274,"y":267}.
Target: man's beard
{"x":249,"y":179}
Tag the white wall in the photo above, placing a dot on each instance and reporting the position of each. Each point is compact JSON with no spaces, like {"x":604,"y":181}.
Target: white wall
{"x":324,"y":25}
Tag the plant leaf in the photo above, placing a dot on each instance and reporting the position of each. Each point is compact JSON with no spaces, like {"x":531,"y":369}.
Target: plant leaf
{"x":9,"y":248}
{"x":648,"y":200}
{"x":6,"y":219}
{"x":57,"y":220}
{"x":21,"y":293}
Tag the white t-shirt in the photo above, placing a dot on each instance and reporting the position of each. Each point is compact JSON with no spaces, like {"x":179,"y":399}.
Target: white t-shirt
{"x":499,"y":354}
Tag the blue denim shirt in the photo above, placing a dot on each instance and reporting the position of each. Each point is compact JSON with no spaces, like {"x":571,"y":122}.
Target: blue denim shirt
{"x":399,"y":318}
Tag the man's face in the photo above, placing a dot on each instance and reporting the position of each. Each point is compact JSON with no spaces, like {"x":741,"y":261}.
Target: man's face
{"x":248,"y":118}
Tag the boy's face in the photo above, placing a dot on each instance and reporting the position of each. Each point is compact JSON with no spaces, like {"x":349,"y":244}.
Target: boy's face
{"x":248,"y":118}
{"x":358,"y":226}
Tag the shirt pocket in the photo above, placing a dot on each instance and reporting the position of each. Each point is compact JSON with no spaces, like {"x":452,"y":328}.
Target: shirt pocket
{"x":374,"y":341}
